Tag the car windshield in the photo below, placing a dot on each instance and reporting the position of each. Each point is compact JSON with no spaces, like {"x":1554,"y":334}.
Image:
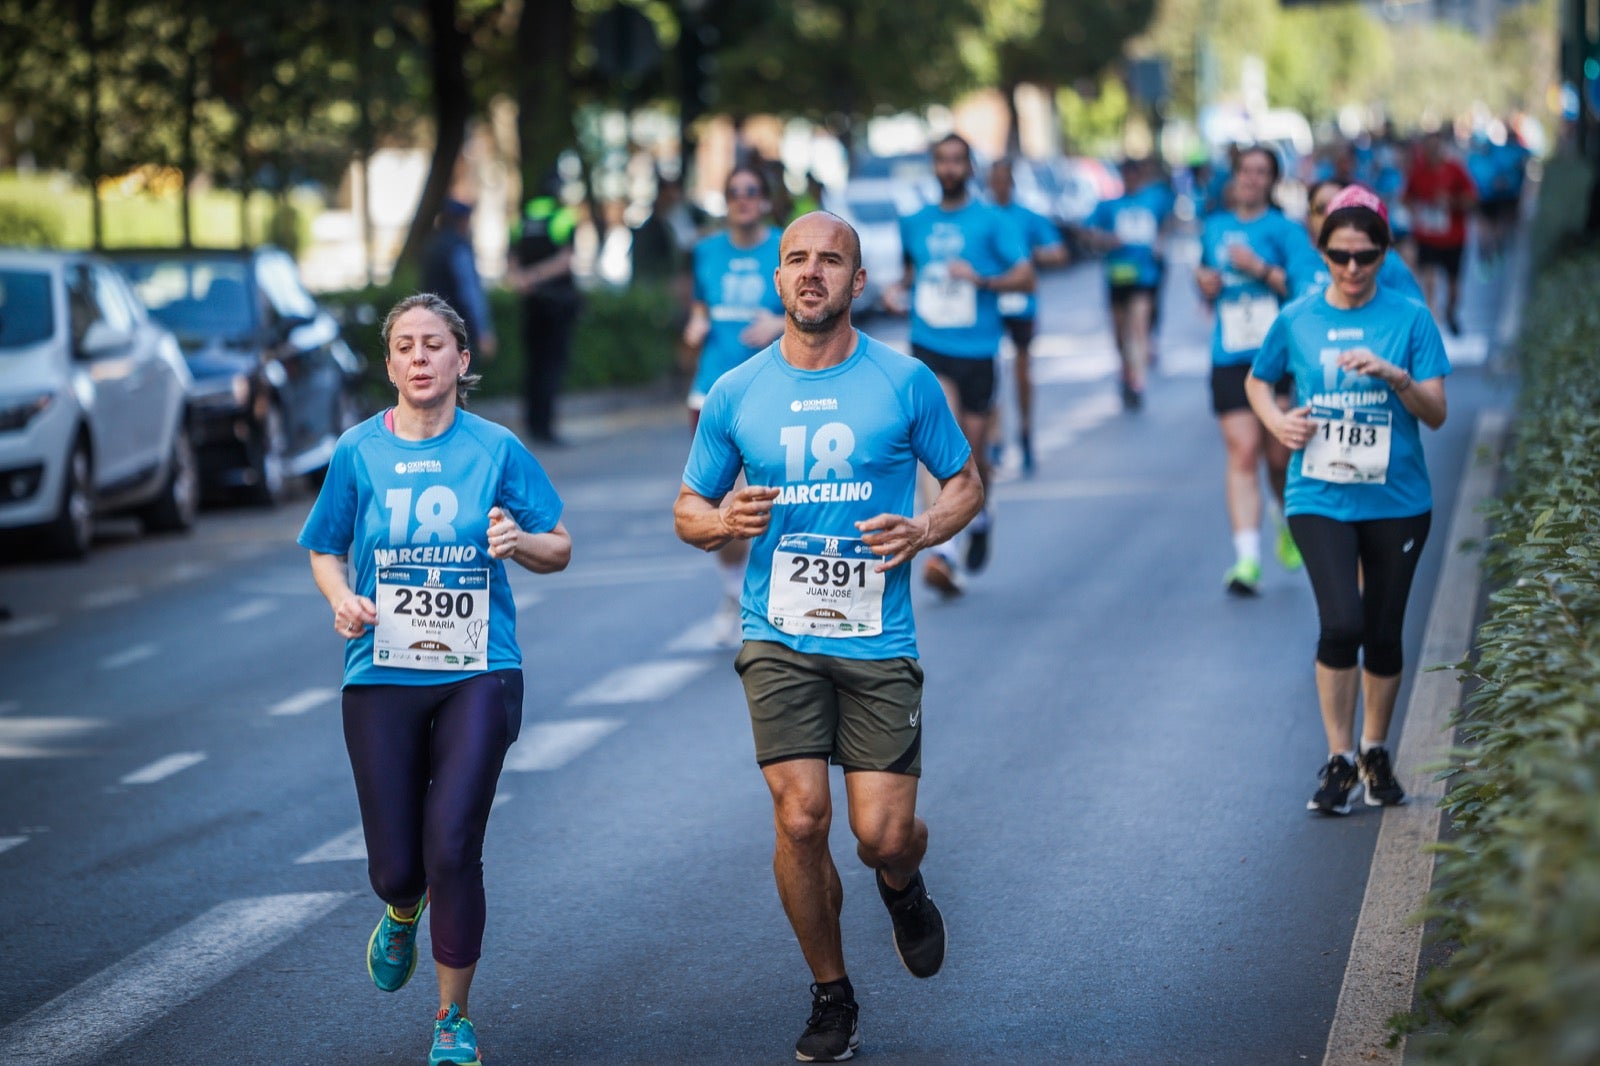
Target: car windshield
{"x":26,"y":312}
{"x":195,"y":297}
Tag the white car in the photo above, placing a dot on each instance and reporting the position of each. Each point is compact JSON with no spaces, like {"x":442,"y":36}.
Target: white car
{"x":92,"y":404}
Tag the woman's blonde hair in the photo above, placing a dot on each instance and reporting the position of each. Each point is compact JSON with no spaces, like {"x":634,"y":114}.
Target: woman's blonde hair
{"x":429,"y":301}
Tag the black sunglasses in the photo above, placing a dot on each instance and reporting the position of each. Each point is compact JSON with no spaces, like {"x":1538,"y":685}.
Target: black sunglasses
{"x":745,"y":192}
{"x":1339,"y":257}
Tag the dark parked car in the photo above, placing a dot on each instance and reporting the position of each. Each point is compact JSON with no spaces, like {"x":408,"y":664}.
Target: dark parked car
{"x":274,"y":382}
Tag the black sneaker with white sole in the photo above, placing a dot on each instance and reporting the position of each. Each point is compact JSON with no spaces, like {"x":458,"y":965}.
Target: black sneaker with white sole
{"x":1335,"y":780}
{"x":1379,"y":787}
{"x":918,"y":926}
{"x":831,"y":1033}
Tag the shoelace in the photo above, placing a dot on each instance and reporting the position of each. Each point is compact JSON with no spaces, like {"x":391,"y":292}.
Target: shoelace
{"x":396,"y":946}
{"x":828,"y":1013}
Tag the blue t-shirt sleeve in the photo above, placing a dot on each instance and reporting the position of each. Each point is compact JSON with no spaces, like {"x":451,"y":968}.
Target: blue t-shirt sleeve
{"x":1045,"y":234}
{"x":1207,"y":243}
{"x":700,"y":255}
{"x":1100,"y":217}
{"x":1272,"y":358}
{"x":1010,"y":245}
{"x":331,"y":526}
{"x":1398,"y":276}
{"x":1428,"y":359}
{"x":714,"y":460}
{"x":527,"y":492}
{"x":936,"y":438}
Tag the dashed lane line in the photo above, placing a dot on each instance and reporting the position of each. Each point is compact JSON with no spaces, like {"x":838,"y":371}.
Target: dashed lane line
{"x":128,"y":656}
{"x":551,"y":745}
{"x":22,"y":627}
{"x":7,"y":843}
{"x":301,"y":702}
{"x":109,"y":597}
{"x":36,"y":738}
{"x":164,"y":768}
{"x":1380,"y":977}
{"x":86,"y":1022}
{"x":641,"y":682}
{"x":250,"y":610}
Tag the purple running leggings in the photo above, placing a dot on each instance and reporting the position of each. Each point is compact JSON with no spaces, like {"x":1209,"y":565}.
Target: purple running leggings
{"x":426,"y":761}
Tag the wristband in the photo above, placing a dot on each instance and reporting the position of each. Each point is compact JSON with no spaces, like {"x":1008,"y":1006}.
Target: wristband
{"x":1404,"y":383}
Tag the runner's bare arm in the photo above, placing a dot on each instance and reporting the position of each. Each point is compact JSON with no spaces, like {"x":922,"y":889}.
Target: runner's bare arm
{"x":542,"y":553}
{"x":351,"y":613}
{"x":899,"y":538}
{"x":709,"y":524}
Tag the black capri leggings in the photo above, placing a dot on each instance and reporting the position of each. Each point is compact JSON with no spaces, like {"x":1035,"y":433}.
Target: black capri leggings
{"x":427,"y":759}
{"x":1361,"y":575}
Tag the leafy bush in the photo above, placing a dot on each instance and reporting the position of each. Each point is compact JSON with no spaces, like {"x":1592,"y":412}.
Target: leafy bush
{"x":1518,"y":887}
{"x":29,"y":227}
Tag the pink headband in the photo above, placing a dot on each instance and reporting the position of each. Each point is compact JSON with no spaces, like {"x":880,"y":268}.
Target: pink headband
{"x":1359,"y":196}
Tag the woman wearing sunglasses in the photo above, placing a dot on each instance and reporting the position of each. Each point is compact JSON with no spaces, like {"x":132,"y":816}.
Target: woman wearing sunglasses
{"x":1308,"y":272}
{"x":1368,"y":366}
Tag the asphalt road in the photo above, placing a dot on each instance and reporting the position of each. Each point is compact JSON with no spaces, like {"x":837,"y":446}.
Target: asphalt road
{"x":1117,"y":758}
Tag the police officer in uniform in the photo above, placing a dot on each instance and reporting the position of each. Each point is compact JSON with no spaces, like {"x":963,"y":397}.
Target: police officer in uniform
{"x":541,"y":270}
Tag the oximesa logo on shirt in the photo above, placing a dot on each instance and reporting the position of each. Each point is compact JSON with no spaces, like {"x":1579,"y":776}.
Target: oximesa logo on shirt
{"x":419,"y":466}
{"x":829,"y":404}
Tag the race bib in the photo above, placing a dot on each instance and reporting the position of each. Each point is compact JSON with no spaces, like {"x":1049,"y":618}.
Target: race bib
{"x":944,"y":302}
{"x":1013,"y":304}
{"x":1431,"y":220}
{"x":1350,"y":446}
{"x":1135,"y":227}
{"x":432,"y":618}
{"x":825,"y":587}
{"x":1245,"y":321}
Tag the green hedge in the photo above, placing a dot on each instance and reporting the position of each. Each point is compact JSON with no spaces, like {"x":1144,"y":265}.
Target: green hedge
{"x":1517,"y":896}
{"x":624,"y":337}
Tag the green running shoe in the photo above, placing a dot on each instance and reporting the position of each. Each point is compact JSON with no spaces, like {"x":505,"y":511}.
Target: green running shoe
{"x":1242,"y":578}
{"x":1288,"y":550}
{"x":392,"y":949}
{"x":455,"y":1041}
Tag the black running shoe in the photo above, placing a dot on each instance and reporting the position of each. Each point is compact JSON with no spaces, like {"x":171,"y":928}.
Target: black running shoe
{"x":977,"y":549}
{"x":1026,"y":441}
{"x":831,"y":1034}
{"x":1333,"y":792}
{"x":918,"y":927}
{"x":1379,"y":787}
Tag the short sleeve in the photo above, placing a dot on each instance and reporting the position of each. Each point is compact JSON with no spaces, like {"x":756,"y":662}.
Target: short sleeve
{"x":701,"y":253}
{"x":714,"y":460}
{"x":936,"y":438}
{"x":1272,"y":358}
{"x":527,"y":492}
{"x":1009,"y":243}
{"x":330,"y":528}
{"x":1428,"y":358}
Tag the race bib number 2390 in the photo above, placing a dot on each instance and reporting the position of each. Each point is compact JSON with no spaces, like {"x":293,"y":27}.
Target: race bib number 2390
{"x":432,"y":618}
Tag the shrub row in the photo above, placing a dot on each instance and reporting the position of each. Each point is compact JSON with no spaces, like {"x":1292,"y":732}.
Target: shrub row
{"x":624,"y":337}
{"x":1517,"y":895}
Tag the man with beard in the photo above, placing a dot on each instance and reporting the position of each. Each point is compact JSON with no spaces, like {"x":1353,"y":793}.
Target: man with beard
{"x":828,"y":426}
{"x":961,"y":254}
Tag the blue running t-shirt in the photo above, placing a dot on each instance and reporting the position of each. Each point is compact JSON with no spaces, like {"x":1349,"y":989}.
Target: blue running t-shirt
{"x":843,"y":445}
{"x":1037,"y":232}
{"x":950,"y":316}
{"x":418,"y":512}
{"x":1246,"y":306}
{"x":736,"y":285}
{"x":1368,"y":449}
{"x":1135,"y":220}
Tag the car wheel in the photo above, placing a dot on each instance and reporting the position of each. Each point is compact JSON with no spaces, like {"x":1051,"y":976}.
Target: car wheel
{"x":174,"y":510}
{"x":271,"y":466}
{"x":72,"y":531}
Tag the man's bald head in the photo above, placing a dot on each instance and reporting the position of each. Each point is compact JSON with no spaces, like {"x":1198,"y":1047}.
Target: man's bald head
{"x":813,"y":223}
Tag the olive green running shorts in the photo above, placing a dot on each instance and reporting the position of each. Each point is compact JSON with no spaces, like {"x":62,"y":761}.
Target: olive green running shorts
{"x":862,"y":714}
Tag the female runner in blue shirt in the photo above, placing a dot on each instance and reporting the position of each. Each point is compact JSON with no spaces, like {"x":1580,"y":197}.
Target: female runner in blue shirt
{"x":421,"y":508}
{"x":1368,"y":367}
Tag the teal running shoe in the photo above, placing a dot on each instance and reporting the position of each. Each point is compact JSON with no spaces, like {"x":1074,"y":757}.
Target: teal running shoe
{"x":1288,"y":550}
{"x":392,"y":949}
{"x":454,"y":1040}
{"x":1243,"y":578}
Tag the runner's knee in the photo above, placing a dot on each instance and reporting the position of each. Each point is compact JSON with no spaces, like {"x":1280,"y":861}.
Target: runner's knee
{"x":1338,"y":646}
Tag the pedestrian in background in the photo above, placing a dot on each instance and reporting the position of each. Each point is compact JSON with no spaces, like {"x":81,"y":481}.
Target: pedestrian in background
{"x":828,"y":426}
{"x":421,"y":508}
{"x":541,"y":270}
{"x":450,"y":268}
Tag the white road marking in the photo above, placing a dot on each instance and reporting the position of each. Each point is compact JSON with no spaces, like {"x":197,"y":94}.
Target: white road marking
{"x":164,"y":768}
{"x":109,"y":597}
{"x":642,"y":682}
{"x":301,"y":702}
{"x":701,"y":637}
{"x":348,"y":846}
{"x":188,"y":571}
{"x":250,"y":610}
{"x":1381,"y":974}
{"x":137,"y":653}
{"x":551,"y":745}
{"x":7,"y":843}
{"x":1469,"y":350}
{"x":86,"y":1022}
{"x":351,"y":845}
{"x":21,"y":627}
{"x":30,"y":738}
